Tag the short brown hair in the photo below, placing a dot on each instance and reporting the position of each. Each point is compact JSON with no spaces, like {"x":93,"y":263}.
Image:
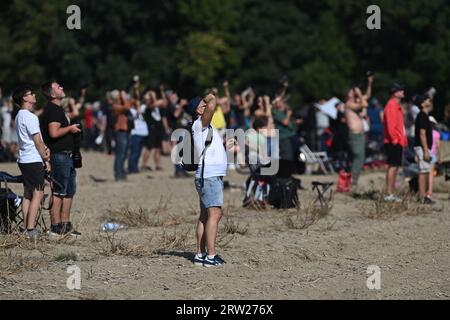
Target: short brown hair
{"x":47,"y":89}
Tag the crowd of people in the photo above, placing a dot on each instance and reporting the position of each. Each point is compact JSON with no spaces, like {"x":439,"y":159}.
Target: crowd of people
{"x":136,"y":125}
{"x":132,"y":124}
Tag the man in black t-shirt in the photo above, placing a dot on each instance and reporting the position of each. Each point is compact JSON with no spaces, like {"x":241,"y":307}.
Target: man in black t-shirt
{"x":58,"y":135}
{"x":423,"y":142}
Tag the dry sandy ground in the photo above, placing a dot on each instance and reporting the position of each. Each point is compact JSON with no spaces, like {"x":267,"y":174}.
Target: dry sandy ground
{"x":267,"y":260}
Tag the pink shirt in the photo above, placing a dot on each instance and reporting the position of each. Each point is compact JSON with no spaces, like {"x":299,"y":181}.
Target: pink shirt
{"x":436,"y":138}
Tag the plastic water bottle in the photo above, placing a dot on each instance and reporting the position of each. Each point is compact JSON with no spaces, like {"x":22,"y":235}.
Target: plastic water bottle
{"x":111,"y":226}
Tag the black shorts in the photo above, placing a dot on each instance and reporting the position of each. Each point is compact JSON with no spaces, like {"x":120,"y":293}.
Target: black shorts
{"x":153,"y":140}
{"x":33,"y":175}
{"x":394,"y":153}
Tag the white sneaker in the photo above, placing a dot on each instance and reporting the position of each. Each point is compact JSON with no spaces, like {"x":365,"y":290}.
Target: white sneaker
{"x":392,"y":198}
{"x":198,"y":260}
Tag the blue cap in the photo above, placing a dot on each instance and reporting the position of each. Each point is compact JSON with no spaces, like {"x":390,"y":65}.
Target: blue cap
{"x":192,"y":106}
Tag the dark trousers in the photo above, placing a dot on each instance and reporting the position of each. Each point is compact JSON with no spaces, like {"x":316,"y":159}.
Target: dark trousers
{"x":109,"y":134}
{"x":136,"y":146}
{"x":122,"y":141}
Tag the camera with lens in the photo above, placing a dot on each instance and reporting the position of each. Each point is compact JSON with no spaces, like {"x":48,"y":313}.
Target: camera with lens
{"x":76,"y":154}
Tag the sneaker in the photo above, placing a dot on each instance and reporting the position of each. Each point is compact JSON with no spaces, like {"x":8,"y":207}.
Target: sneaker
{"x":55,"y":230}
{"x":67,"y":228}
{"x":199,"y":261}
{"x":32,"y":234}
{"x":428,"y":200}
{"x":392,"y":198}
{"x":215,"y":262}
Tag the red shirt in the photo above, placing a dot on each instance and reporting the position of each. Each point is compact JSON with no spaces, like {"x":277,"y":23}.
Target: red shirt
{"x":394,"y":127}
{"x":88,"y":119}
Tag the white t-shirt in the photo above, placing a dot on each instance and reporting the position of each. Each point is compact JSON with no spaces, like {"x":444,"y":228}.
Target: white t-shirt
{"x":140,"y":126}
{"x":27,"y":125}
{"x":216,"y":156}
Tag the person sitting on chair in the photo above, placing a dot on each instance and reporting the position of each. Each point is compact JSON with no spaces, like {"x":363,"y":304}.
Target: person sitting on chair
{"x":32,"y":154}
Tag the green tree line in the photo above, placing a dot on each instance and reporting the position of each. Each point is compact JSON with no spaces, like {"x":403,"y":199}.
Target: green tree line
{"x":323,"y":46}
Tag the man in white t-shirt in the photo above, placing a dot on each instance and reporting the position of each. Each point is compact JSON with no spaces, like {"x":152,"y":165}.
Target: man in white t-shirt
{"x":208,"y":182}
{"x":32,"y":154}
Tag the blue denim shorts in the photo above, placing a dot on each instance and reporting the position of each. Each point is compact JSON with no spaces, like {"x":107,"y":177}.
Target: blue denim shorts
{"x":211,"y":195}
{"x":64,"y":173}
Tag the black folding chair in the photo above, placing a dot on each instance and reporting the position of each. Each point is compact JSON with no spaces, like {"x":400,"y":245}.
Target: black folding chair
{"x":322,"y":188}
{"x":17,"y":217}
{"x":9,"y":203}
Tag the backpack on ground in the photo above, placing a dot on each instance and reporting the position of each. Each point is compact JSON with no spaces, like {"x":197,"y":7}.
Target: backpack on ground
{"x":283,"y":193}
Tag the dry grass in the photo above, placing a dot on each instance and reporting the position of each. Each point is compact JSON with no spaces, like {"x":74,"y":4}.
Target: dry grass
{"x":172,"y":241}
{"x":367,"y":195}
{"x":304,"y":217}
{"x":231,"y":226}
{"x":224,"y":240}
{"x":108,"y":244}
{"x":19,"y":241}
{"x":65,"y":257}
{"x":380,"y":209}
{"x":139,"y":218}
{"x":14,"y":263}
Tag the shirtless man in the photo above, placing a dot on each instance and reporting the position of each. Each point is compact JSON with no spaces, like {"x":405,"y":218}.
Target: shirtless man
{"x":355,"y":108}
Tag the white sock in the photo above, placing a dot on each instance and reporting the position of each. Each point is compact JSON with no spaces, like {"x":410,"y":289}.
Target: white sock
{"x":210,"y":257}
{"x":201,"y":255}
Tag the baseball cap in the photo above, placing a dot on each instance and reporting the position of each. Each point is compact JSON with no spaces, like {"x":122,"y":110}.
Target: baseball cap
{"x":192,"y":105}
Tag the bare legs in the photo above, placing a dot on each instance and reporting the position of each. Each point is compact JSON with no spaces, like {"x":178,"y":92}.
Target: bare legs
{"x":30,"y":206}
{"x":391,"y":175}
{"x":207,"y":230}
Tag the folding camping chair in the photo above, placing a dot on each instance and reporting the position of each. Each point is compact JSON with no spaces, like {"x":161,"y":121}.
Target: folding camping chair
{"x":13,"y":213}
{"x":320,"y":158}
{"x":321,"y":189}
{"x":9,"y":203}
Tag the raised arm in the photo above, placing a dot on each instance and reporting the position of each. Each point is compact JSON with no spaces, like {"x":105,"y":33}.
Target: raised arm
{"x":368,"y":93}
{"x":210,"y":108}
{"x":225,"y":102}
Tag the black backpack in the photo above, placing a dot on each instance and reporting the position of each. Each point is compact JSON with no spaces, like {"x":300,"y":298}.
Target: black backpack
{"x":190,"y":160}
{"x":283,"y":193}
